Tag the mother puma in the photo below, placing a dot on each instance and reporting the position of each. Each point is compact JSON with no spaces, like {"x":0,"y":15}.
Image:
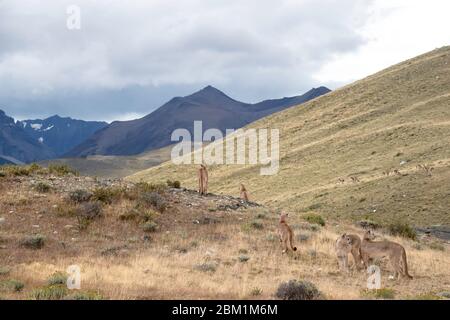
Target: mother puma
{"x":379,"y":249}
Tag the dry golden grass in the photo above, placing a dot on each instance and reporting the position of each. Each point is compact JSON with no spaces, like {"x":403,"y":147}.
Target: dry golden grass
{"x":165,"y":267}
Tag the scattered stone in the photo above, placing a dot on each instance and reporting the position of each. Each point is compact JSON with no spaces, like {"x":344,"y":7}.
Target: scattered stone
{"x":2,"y":220}
{"x":445,"y":294}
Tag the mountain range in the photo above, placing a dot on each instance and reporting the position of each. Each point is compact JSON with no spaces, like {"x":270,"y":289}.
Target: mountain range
{"x":56,"y":137}
{"x":35,"y":140}
{"x":213,"y":107}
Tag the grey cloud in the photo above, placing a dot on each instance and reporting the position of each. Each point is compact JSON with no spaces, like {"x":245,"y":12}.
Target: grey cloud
{"x":130,"y":57}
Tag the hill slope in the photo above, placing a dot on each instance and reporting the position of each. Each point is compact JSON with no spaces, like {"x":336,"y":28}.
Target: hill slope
{"x":395,"y":119}
{"x":210,"y":105}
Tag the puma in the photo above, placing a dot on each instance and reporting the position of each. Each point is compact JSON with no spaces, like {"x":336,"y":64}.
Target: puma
{"x":379,"y":249}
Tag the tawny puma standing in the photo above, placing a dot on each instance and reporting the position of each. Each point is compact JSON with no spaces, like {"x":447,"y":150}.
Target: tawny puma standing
{"x":285,"y":233}
{"x":345,"y":244}
{"x":379,"y":249}
{"x":244,"y":194}
{"x":202,"y":180}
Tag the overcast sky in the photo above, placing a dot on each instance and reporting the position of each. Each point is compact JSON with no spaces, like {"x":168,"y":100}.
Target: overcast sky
{"x":129,"y":57}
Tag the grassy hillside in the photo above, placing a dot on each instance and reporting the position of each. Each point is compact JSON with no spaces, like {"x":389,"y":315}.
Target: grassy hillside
{"x":393,"y":120}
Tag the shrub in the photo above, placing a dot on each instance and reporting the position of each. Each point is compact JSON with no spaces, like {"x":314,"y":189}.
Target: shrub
{"x":53,"y":292}
{"x":369,"y":224}
{"x":402,"y":229}
{"x":150,"y":187}
{"x":107,"y":195}
{"x":206,"y":267}
{"x":150,"y":226}
{"x":243,"y":258}
{"x":90,"y":210}
{"x":256,"y":292}
{"x":33,"y":242}
{"x":314,"y":218}
{"x":79,"y":196}
{"x":13,"y":170}
{"x":4,"y":271}
{"x":302,"y":237}
{"x":384,"y":293}
{"x":153,"y":199}
{"x":88,"y":295}
{"x":61,"y":170}
{"x":298,"y":290}
{"x":271,"y":237}
{"x":57,"y":278}
{"x":129,"y":215}
{"x":42,"y":187}
{"x":255,"y":224}
{"x":147,"y":215}
{"x":437,"y":246}
{"x":11,"y":285}
{"x":174,"y":184}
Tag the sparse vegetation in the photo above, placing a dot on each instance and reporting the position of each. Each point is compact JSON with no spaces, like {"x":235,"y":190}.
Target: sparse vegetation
{"x":11,"y":286}
{"x":107,"y":195}
{"x":152,"y":199}
{"x":79,"y":196}
{"x":206,"y":267}
{"x":52,"y":292}
{"x":4,"y":271}
{"x":42,"y":187}
{"x":33,"y":242}
{"x":57,"y":278}
{"x":243,"y":258}
{"x":384,"y":293}
{"x":174,"y":184}
{"x":88,"y":295}
{"x":255,"y":292}
{"x":150,"y":226}
{"x":61,"y":170}
{"x":369,"y":224}
{"x":315,"y":219}
{"x":402,"y":229}
{"x":298,"y":290}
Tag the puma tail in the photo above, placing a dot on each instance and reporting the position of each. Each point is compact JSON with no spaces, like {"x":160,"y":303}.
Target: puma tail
{"x":405,"y":265}
{"x":292,"y":246}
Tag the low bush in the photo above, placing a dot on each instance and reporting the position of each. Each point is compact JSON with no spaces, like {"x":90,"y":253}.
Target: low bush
{"x":11,"y":286}
{"x":315,"y":219}
{"x":61,"y":170}
{"x":33,"y":242}
{"x":87,"y":295}
{"x":150,"y":226}
{"x":42,"y":187}
{"x":57,"y":278}
{"x":402,"y":229}
{"x":90,"y":210}
{"x":369,"y":224}
{"x":79,"y":196}
{"x":174,"y":184}
{"x":52,"y":292}
{"x":384,"y":293}
{"x":107,"y":195}
{"x":152,"y":199}
{"x":206,"y":267}
{"x":298,"y":290}
{"x":243,"y":258}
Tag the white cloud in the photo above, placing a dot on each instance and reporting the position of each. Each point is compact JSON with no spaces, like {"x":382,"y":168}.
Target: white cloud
{"x":397,"y":30}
